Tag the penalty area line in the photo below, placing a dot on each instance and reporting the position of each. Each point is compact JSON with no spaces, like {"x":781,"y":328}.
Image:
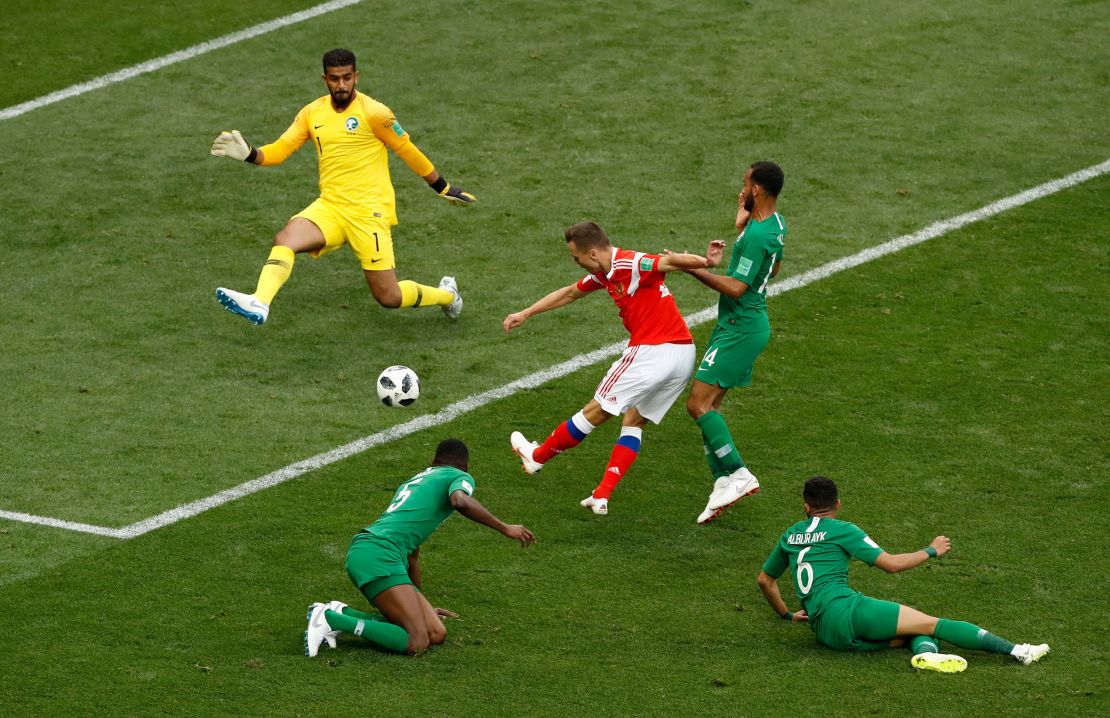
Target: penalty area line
{"x":173,"y":58}
{"x":476,"y":401}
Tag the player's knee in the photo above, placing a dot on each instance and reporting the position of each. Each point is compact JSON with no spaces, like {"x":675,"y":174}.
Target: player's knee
{"x":390,"y":299}
{"x":695,"y":408}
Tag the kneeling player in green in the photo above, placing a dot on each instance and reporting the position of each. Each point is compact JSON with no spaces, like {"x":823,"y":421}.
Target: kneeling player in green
{"x":817,"y":552}
{"x":382,"y":560}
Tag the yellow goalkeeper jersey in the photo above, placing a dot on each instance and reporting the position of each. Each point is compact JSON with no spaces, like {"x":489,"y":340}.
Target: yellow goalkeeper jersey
{"x":351,"y":149}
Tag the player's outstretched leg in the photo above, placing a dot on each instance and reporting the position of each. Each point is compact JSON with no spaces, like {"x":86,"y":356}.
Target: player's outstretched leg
{"x":966,"y":635}
{"x":566,"y":435}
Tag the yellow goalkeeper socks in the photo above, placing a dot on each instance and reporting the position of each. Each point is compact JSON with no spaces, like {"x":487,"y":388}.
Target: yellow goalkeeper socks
{"x":274,"y":273}
{"x":419,"y":295}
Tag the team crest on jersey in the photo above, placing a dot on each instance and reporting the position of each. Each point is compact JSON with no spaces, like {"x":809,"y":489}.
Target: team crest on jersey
{"x":351,"y":124}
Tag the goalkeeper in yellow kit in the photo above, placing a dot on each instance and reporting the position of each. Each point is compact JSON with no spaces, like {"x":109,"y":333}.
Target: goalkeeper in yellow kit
{"x":356,"y":206}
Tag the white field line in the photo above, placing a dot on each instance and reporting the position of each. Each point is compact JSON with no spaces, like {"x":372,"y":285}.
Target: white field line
{"x":173,"y":58}
{"x":531,"y":381}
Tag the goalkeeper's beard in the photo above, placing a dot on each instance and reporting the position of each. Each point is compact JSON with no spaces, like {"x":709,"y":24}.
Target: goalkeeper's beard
{"x":341,"y":104}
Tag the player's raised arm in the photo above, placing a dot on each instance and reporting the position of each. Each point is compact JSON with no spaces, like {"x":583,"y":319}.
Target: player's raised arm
{"x":894,"y":563}
{"x":554,"y":300}
{"x":475,"y":511}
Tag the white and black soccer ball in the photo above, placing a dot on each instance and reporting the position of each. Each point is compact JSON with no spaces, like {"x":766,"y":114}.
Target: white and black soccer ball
{"x":398,"y":386}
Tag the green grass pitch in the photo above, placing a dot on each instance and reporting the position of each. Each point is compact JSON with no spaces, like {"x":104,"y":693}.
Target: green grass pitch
{"x":957,"y":387}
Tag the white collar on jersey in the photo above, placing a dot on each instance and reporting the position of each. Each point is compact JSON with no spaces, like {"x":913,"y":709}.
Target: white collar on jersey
{"x":612,"y":264}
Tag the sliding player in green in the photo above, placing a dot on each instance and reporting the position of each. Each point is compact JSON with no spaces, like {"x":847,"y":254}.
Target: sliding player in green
{"x":383,"y":560}
{"x":817,"y":552}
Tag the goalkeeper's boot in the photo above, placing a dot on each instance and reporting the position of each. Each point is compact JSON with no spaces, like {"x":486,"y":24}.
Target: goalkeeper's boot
{"x":245,"y":305}
{"x":727,"y":490}
{"x":598,"y":506}
{"x":1027,"y":653}
{"x":454,"y":309}
{"x":940,"y":662}
{"x":524,"y":449}
{"x":318,"y":630}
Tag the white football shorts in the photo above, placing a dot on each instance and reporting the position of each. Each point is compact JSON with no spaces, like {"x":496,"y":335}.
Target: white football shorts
{"x":648,"y":377}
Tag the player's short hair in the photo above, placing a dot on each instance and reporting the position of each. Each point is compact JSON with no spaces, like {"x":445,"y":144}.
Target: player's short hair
{"x":452,"y":452}
{"x":769,"y":176}
{"x":820,"y":493}
{"x":587,"y":235}
{"x":339,"y":58}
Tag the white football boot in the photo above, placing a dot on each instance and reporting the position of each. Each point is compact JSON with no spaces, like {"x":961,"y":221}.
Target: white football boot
{"x":245,"y":305}
{"x":598,"y":506}
{"x":1027,"y":653}
{"x":524,"y":449}
{"x":338,"y":607}
{"x":454,"y":309}
{"x":727,"y":490}
{"x":318,"y":630}
{"x":939,"y":662}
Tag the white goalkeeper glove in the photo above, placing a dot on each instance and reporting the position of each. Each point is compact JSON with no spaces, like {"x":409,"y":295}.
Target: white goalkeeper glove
{"x":231,"y":144}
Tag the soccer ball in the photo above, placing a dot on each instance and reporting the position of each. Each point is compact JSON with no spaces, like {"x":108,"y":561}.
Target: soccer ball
{"x":398,"y":386}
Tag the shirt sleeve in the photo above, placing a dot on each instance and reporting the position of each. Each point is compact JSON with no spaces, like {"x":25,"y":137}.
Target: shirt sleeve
{"x":290,"y":141}
{"x":463,"y":482}
{"x":389,"y":131}
{"x":751,"y":259}
{"x":860,"y":546}
{"x":777,"y":562}
{"x":589,"y":283}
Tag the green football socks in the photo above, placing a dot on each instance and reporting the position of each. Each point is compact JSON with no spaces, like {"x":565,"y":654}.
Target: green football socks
{"x":966,"y":635}
{"x":715,"y":466}
{"x":372,"y":628}
{"x":923,"y":644}
{"x":718,"y":438}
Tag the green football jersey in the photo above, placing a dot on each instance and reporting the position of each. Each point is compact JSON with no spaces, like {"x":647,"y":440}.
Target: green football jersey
{"x":753,"y":256}
{"x":420,"y":505}
{"x":817,"y":552}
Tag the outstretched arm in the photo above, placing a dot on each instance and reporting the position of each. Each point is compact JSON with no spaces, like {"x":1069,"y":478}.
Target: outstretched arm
{"x":473,"y":510}
{"x":894,"y":563}
{"x":770,"y":588}
{"x":677,"y":262}
{"x":558,"y":298}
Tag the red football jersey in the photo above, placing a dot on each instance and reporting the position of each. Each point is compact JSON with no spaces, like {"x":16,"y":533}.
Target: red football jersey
{"x":646,"y":306}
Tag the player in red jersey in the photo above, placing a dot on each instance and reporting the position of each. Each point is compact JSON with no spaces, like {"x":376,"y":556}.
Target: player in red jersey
{"x":654,"y":368}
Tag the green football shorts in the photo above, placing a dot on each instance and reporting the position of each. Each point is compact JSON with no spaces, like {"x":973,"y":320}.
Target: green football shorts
{"x":730,"y":356}
{"x":375,"y":564}
{"x":857,"y":623}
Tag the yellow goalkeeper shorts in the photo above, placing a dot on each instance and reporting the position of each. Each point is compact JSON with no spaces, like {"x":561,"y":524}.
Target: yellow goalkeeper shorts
{"x":367,"y":231}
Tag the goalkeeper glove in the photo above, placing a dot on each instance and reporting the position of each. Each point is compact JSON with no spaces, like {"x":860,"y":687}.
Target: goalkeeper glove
{"x":453,"y":195}
{"x":231,"y":144}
